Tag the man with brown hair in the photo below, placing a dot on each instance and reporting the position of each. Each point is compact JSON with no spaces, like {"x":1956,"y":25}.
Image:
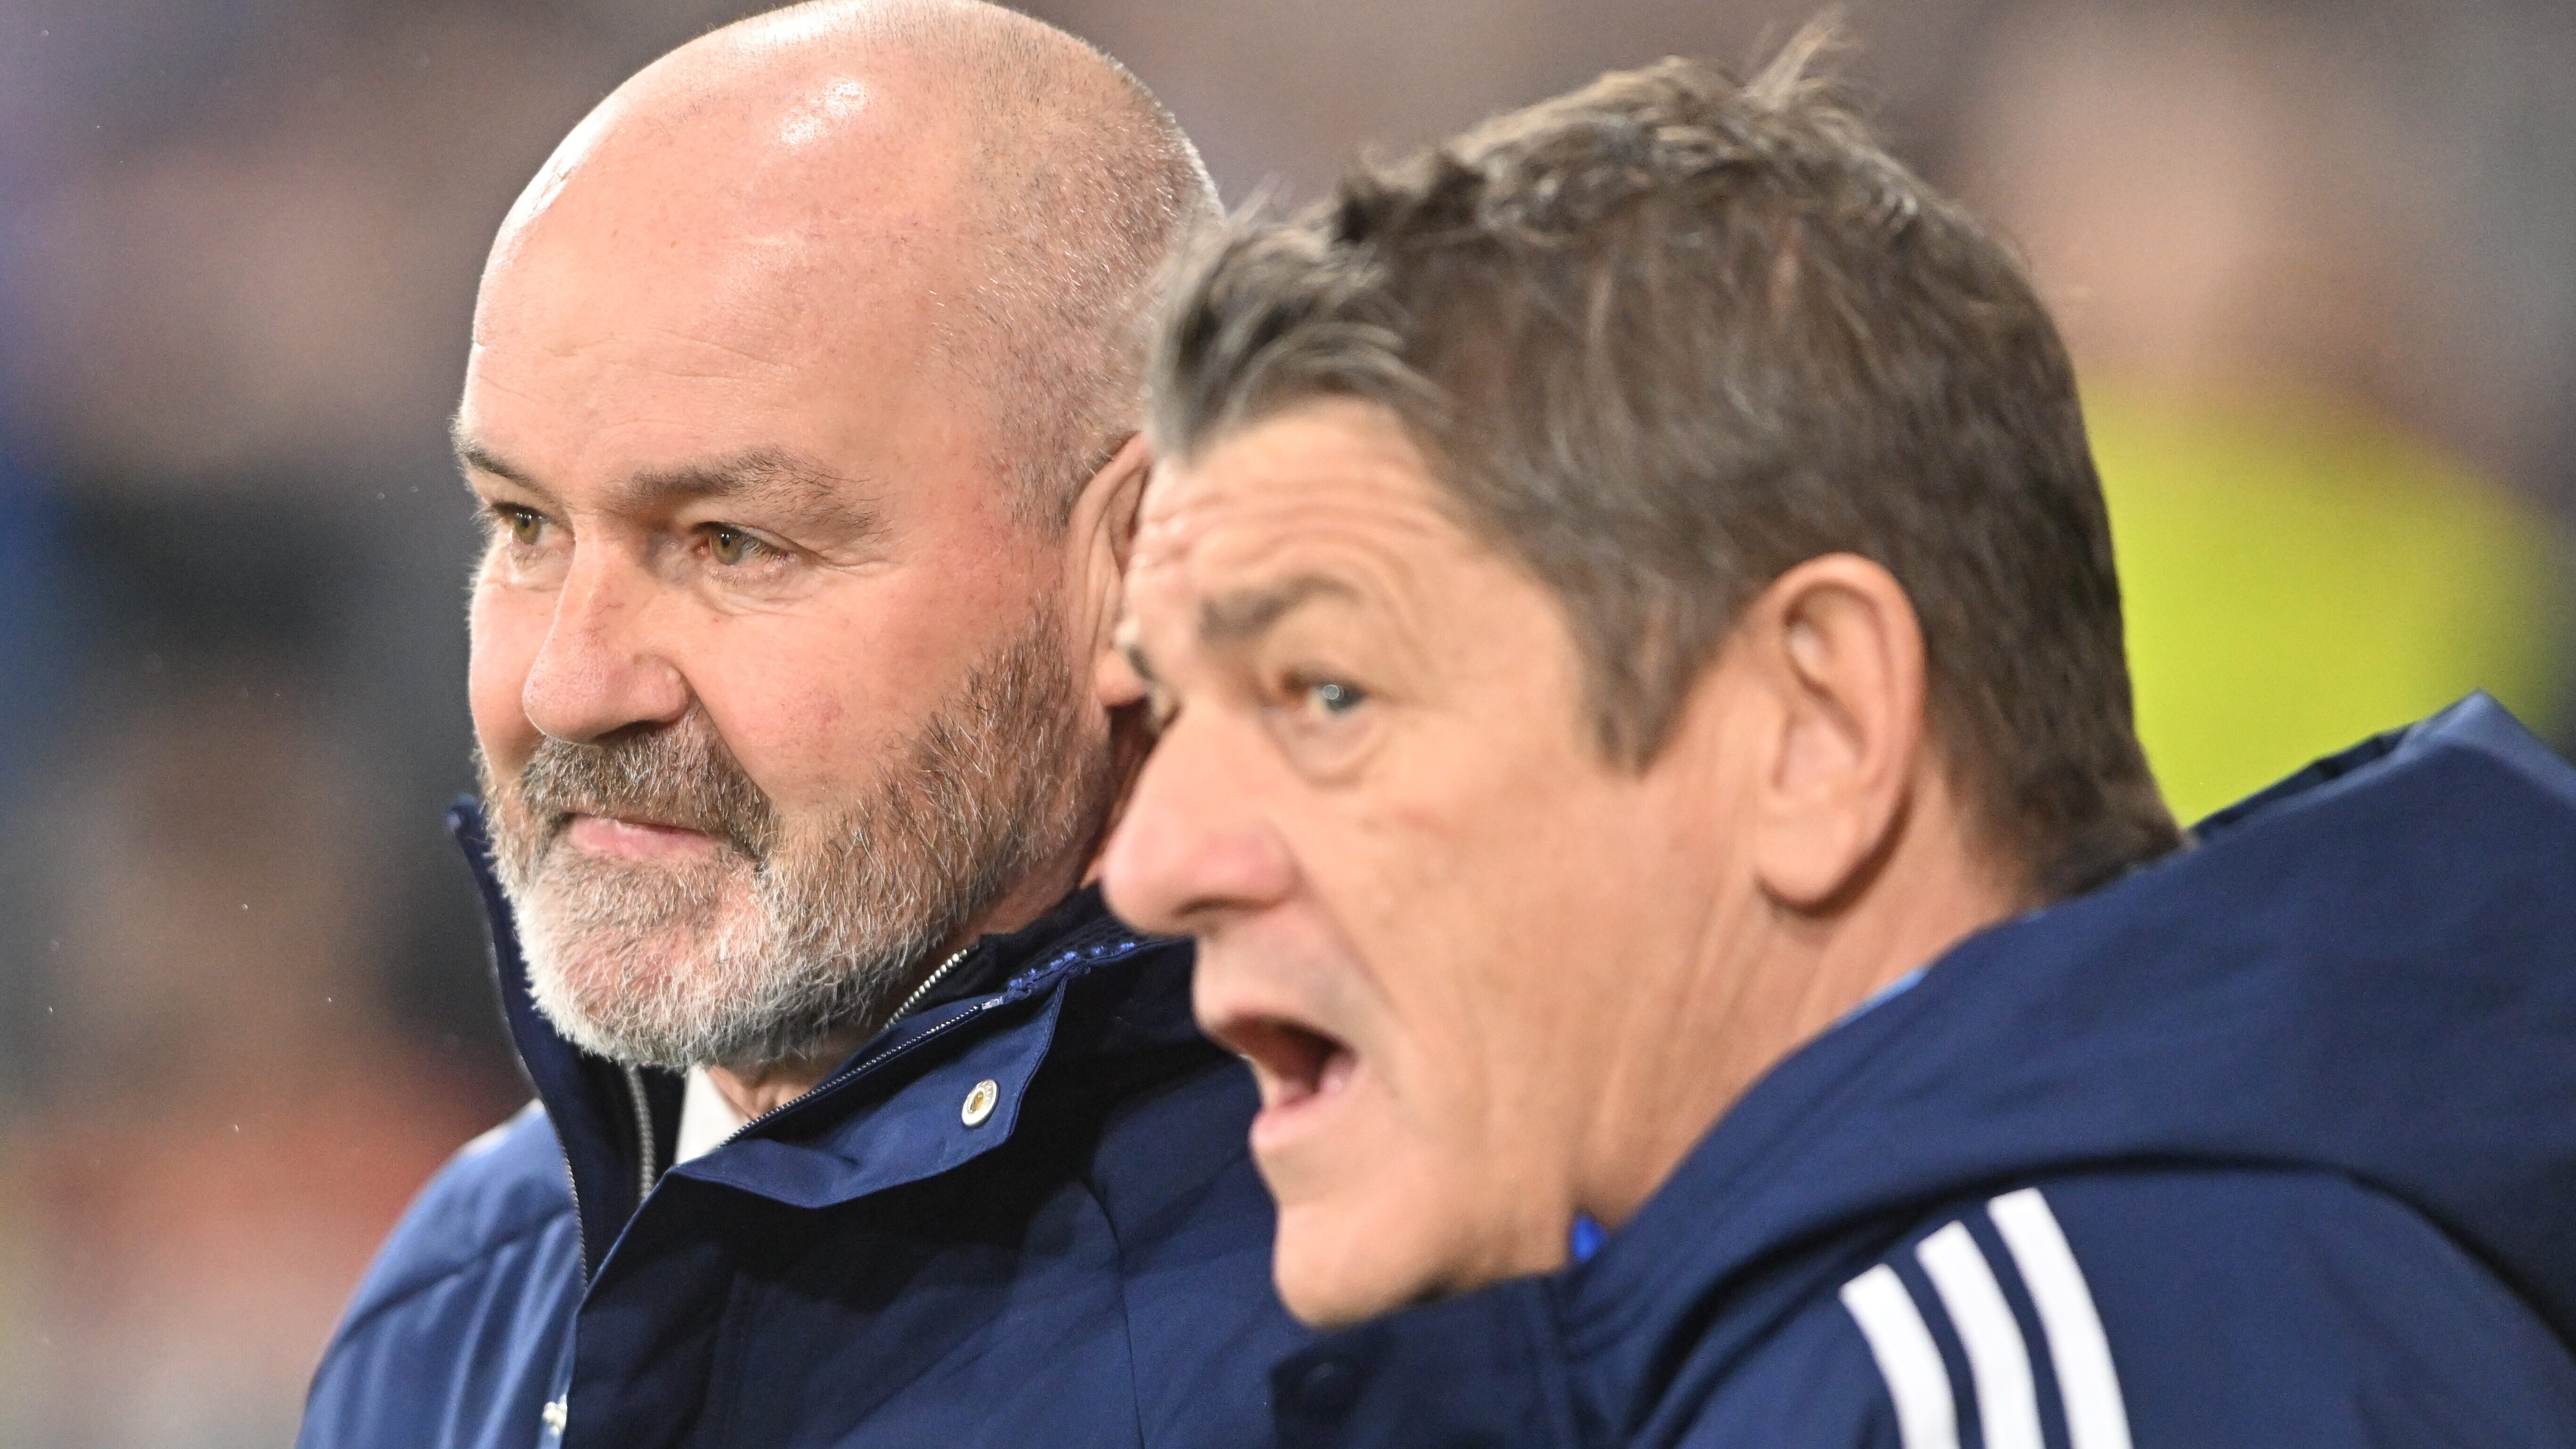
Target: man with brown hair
{"x":802,"y":413}
{"x":1624,"y":591}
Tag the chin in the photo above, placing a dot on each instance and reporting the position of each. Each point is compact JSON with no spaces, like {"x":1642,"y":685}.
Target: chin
{"x":1333,"y":1269}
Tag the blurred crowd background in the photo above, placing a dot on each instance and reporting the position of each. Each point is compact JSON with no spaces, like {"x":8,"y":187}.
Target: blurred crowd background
{"x":2317,"y":260}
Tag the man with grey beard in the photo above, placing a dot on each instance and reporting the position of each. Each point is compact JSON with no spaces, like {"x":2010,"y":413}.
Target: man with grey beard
{"x":801,"y":410}
{"x":756,"y":954}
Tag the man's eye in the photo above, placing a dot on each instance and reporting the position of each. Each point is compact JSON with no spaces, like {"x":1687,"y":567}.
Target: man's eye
{"x":1319,"y":725}
{"x":1333,"y":698}
{"x":525,"y":524}
{"x":731,"y":545}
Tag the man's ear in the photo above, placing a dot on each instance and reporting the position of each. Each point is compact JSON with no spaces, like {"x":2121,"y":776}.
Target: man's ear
{"x":1102,"y":531}
{"x":1837,"y":644}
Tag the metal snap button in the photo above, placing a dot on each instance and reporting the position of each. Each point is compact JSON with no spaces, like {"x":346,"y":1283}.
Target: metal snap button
{"x":981,"y":1099}
{"x":1329,"y":1387}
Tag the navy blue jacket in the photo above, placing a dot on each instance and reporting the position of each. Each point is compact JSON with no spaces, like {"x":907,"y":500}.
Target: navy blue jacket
{"x":2270,"y":1144}
{"x":1089,"y":1265}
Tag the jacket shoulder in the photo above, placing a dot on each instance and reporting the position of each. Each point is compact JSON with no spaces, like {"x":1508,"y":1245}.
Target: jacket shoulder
{"x":2167,"y":1308}
{"x":500,"y":1188}
{"x":1173,"y":1173}
{"x":452,"y":1336}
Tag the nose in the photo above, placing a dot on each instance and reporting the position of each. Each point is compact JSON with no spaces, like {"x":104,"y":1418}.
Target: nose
{"x":599,"y":670}
{"x":1195,"y":844}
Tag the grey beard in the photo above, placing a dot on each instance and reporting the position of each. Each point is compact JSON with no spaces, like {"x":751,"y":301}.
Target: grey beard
{"x":785,"y":939}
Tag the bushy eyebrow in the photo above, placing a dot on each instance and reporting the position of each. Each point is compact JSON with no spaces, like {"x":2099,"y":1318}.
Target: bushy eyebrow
{"x":770,"y":478}
{"x":1236,"y":619}
{"x":473,"y":457}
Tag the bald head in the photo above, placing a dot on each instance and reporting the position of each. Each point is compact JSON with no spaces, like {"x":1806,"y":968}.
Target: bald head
{"x":937,"y":188}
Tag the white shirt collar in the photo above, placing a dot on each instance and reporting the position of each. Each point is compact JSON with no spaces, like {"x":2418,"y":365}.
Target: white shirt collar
{"x":706,"y":1118}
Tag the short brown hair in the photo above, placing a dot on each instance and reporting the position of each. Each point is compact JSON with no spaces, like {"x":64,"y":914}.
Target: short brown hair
{"x":1667,"y":337}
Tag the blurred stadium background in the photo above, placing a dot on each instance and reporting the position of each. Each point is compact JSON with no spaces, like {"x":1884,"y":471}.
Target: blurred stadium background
{"x":2317,"y":259}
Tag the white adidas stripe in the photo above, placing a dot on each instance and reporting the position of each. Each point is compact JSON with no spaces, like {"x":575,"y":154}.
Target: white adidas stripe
{"x":2095,"y":1416}
{"x":1927,"y":1415}
{"x":1927,"y":1406}
{"x":1998,"y":1360}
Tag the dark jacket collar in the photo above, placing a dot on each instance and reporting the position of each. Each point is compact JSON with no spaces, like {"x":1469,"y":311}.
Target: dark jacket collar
{"x":990,"y":963}
{"x":2369,"y":970}
{"x":992,"y":1018}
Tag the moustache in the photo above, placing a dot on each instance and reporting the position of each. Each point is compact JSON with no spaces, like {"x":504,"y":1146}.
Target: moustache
{"x":681,"y":775}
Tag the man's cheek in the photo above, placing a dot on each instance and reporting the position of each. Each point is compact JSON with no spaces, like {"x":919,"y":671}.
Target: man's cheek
{"x":506,"y":634}
{"x":806,"y":714}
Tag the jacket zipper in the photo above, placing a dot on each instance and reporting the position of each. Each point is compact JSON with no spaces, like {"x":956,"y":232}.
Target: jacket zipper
{"x":900,"y":1012}
{"x":580,"y":1233}
{"x":648,"y":1150}
{"x":927,"y":982}
{"x":643,"y":1135}
{"x":558,"y":1411}
{"x":643,"y":1110}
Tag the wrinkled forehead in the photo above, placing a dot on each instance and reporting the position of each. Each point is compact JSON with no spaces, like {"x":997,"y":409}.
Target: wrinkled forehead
{"x":1331,"y":492}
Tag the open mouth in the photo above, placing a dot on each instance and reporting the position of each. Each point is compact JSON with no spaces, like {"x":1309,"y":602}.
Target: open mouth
{"x":1297,"y":1067}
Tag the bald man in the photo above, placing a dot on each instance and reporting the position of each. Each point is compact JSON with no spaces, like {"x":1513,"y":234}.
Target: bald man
{"x":801,"y":410}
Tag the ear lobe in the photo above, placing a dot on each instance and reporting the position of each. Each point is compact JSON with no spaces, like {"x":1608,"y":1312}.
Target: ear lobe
{"x":1841,"y":648}
{"x":1113,"y":678}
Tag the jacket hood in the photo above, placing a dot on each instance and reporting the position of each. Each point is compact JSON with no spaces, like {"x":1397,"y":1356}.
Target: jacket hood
{"x":608,"y":1121}
{"x":2369,"y":969}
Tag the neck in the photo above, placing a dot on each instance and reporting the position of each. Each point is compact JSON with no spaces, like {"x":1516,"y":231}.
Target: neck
{"x":1767,"y":982}
{"x":761,"y":1090}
